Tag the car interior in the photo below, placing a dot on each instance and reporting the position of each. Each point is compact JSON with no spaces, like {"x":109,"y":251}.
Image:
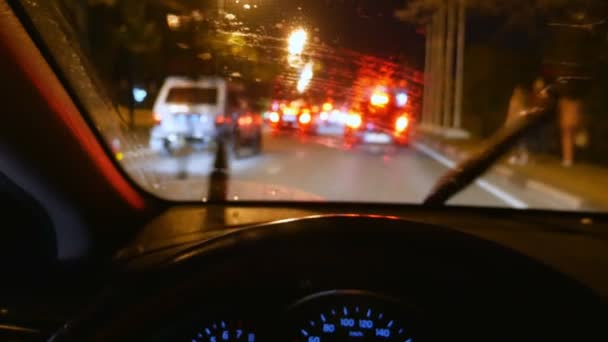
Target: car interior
{"x":87,"y":255}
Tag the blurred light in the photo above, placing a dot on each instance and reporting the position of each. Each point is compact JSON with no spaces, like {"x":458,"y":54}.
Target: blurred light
{"x":401,"y":99}
{"x":197,"y":15}
{"x":327,"y":107}
{"x":120,"y":156}
{"x":230,"y":16}
{"x":402,"y":123}
{"x":205,"y":56}
{"x":338,"y":116}
{"x":173,"y":21}
{"x":220,"y":119}
{"x":297,"y":41}
{"x":274,"y":117}
{"x":305,"y":77}
{"x":305,"y":118}
{"x":290,"y":111}
{"x":275,"y":106}
{"x":324,"y":116}
{"x":139,"y":95}
{"x":245,"y":120}
{"x":379,"y":99}
{"x":157,"y":117}
{"x":247,"y":6}
{"x":354,"y":120}
{"x":178,"y":108}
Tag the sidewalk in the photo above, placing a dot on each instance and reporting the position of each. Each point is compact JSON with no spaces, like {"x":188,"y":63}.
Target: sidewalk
{"x":579,"y":187}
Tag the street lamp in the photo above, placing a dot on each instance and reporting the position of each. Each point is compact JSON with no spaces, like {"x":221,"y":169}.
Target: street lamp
{"x":173,"y":21}
{"x":305,"y":77}
{"x":296,"y":41}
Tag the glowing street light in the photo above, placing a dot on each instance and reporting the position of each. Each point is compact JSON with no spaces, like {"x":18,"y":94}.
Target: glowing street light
{"x":305,"y":77}
{"x":296,"y":42}
{"x":173,"y":21}
{"x":139,"y":95}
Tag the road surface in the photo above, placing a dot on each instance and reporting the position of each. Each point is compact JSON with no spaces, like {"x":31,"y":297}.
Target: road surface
{"x":294,"y":167}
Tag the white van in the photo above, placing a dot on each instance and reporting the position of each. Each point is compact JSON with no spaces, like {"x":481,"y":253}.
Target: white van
{"x":188,"y":110}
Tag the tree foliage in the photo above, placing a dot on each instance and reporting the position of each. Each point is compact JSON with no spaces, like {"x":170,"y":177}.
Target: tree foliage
{"x":519,"y":12}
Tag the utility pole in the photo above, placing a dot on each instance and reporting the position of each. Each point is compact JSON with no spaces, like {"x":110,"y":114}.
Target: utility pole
{"x":428,"y":69}
{"x":449,"y":65}
{"x":439,"y":65}
{"x":457,"y":123}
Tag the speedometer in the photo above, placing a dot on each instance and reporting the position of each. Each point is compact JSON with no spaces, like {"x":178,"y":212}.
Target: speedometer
{"x":349,"y":316}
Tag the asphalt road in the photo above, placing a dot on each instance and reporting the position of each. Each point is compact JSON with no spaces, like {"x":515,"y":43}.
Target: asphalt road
{"x":294,"y":167}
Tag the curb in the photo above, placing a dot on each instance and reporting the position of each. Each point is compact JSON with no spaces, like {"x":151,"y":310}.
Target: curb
{"x":572,"y":201}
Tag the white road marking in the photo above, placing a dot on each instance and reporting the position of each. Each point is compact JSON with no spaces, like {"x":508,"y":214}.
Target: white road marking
{"x":436,"y":156}
{"x":504,"y":196}
{"x":483,"y":184}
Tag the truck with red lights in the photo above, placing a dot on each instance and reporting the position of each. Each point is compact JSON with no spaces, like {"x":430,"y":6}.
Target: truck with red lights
{"x":382,"y":119}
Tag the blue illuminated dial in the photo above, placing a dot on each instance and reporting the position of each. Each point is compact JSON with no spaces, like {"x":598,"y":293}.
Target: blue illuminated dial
{"x":352,"y":323}
{"x":224,"y":331}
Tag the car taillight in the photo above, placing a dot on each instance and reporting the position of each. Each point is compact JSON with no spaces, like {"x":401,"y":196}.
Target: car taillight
{"x":354,"y":120}
{"x":220,"y":119}
{"x":157,"y":117}
{"x":402,"y":123}
{"x":274,"y":117}
{"x":245,"y":120}
{"x":305,"y":118}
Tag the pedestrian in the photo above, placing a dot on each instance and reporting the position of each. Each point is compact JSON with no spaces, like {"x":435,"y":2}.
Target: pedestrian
{"x":517,"y":106}
{"x":536,"y":137}
{"x":570,"y":118}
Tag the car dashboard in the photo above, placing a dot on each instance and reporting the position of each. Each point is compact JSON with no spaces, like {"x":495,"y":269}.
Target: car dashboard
{"x":341,"y":278}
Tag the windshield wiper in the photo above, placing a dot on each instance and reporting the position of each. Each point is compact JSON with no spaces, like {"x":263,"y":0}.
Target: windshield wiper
{"x":218,"y":186}
{"x":463,"y":174}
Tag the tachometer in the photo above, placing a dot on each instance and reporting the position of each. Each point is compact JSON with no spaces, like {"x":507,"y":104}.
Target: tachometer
{"x":350,"y":317}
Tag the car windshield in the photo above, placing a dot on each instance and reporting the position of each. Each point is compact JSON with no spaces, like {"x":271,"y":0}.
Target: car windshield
{"x":192,"y":95}
{"x":339,"y":100}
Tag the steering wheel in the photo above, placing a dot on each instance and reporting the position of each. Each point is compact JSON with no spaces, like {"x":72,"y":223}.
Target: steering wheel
{"x":463,"y":285}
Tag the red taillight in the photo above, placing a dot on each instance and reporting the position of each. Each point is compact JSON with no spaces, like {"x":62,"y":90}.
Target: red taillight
{"x":305,"y":118}
{"x":354,"y":120}
{"x":157,"y":117}
{"x":402,"y":123}
{"x":245,"y":120}
{"x":220,"y":119}
{"x":274,"y":117}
